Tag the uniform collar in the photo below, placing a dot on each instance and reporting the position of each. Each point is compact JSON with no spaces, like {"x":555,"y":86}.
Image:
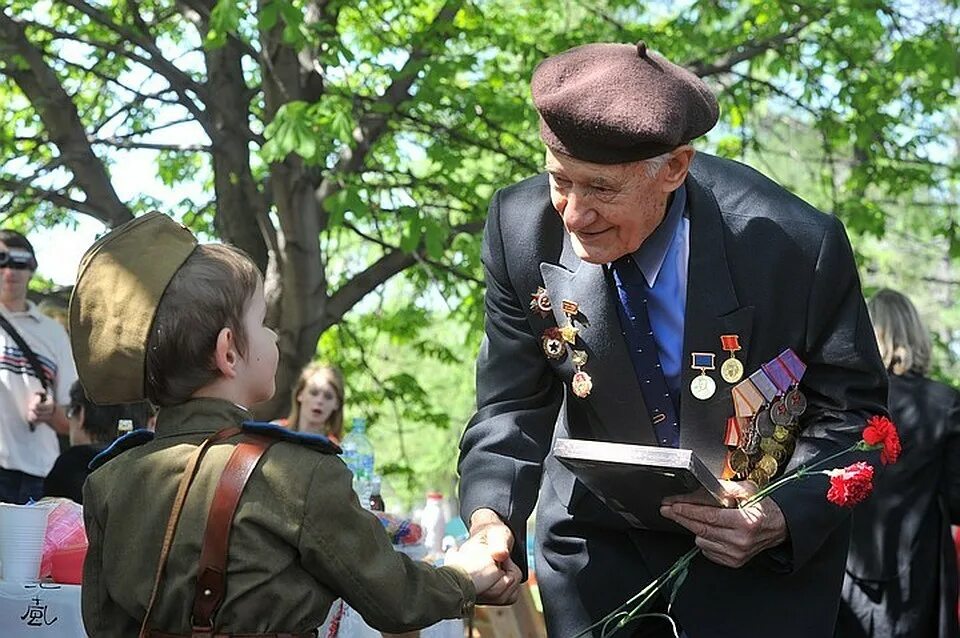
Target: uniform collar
{"x":650,"y":255}
{"x":199,"y":416}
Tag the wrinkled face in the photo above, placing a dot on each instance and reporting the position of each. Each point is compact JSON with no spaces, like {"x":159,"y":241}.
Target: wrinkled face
{"x":318,"y":401}
{"x":13,"y":281}
{"x":608,"y":210}
{"x":259,"y":363}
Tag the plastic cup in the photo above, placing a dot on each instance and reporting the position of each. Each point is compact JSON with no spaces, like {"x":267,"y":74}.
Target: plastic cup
{"x":22,"y":529}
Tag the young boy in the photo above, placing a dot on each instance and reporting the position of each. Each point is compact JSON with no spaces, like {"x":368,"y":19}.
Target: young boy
{"x":206,"y":530}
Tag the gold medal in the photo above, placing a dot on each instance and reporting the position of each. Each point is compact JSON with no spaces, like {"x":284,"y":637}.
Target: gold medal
{"x":739,"y":461}
{"x":703,"y":387}
{"x":759,"y":477}
{"x":731,"y":370}
{"x":781,"y":434}
{"x":768,"y":465}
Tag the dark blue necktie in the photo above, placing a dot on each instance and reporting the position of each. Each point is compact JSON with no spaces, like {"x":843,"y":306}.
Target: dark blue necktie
{"x":632,"y":289}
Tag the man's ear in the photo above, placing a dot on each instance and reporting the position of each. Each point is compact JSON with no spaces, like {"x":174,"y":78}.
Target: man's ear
{"x":225,"y":355}
{"x":675,"y":170}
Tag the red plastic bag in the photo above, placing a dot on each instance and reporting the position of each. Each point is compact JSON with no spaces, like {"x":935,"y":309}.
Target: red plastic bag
{"x":64,"y":544}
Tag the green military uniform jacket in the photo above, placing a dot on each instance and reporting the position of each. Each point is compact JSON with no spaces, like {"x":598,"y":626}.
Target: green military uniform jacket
{"x":299,"y":541}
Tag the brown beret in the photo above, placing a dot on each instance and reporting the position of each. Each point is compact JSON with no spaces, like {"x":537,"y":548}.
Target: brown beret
{"x":615,"y":103}
{"x":119,"y":285}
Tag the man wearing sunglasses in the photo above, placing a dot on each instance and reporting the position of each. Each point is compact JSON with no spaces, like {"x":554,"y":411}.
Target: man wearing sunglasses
{"x":36,"y":372}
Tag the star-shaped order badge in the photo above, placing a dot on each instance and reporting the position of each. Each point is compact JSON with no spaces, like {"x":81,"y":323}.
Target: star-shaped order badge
{"x":540,"y":302}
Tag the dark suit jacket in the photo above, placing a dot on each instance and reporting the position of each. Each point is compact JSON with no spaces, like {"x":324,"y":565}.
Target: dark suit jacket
{"x":902,"y":569}
{"x":763,"y":265}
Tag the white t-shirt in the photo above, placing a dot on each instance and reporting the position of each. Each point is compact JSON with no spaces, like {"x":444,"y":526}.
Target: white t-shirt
{"x":20,"y":449}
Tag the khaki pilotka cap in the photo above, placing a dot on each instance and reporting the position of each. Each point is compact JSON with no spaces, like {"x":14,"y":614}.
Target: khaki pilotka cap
{"x":120,"y":282}
{"x":614,"y":103}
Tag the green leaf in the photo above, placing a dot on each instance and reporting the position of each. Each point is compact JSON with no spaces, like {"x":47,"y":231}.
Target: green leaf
{"x":434,"y":239}
{"x":269,"y":14}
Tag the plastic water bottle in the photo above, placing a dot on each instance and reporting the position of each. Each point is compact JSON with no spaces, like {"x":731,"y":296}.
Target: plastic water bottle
{"x":358,"y":455}
{"x":434,"y":523}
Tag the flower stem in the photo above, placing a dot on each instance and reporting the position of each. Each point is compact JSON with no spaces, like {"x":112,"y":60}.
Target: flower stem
{"x":797,"y":473}
{"x":640,"y":600}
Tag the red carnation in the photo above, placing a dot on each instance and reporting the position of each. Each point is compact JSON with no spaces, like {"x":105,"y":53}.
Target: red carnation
{"x":881,"y":430}
{"x":850,"y":485}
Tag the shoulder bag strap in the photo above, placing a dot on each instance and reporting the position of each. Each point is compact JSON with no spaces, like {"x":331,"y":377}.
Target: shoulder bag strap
{"x":186,"y":480}
{"x":28,"y":352}
{"x":212,"y":570}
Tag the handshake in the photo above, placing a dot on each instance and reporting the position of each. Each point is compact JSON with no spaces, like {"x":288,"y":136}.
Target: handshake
{"x":485,"y":558}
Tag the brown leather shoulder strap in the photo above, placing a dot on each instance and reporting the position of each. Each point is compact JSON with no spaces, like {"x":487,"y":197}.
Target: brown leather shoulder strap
{"x":189,"y":473}
{"x":212,"y":570}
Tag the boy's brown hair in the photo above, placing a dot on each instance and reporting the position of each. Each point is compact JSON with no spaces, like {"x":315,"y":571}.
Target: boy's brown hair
{"x":209,"y":292}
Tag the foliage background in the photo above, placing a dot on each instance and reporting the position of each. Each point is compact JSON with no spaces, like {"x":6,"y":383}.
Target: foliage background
{"x":351,"y":148}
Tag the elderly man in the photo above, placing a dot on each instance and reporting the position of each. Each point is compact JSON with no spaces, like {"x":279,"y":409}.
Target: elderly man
{"x":36,"y":372}
{"x":617,"y":285}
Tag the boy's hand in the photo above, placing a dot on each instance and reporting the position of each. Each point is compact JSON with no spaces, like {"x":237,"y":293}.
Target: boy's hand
{"x":474,"y":558}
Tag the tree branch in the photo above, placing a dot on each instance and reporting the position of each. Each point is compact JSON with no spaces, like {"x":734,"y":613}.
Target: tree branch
{"x":61,"y":121}
{"x":56,"y":198}
{"x":119,"y":142}
{"x":420,"y":255}
{"x":180,"y":89}
{"x":743,"y":53}
{"x":374,"y":124}
{"x":365,"y":282}
{"x":159,"y":63}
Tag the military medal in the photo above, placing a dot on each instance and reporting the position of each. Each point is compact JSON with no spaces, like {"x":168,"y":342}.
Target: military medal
{"x":570,"y":308}
{"x":764,"y":423}
{"x":579,"y":358}
{"x":552,"y":343}
{"x":779,"y":413}
{"x":581,"y":384}
{"x":768,"y":464}
{"x":732,"y":369}
{"x":703,"y":386}
{"x":739,"y":461}
{"x":795,"y":402}
{"x":569,"y":333}
{"x":540,"y":302}
{"x":781,"y":434}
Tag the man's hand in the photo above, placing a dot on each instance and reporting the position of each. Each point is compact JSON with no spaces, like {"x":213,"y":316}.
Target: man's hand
{"x":731,"y":537}
{"x":487,"y":528}
{"x":40,"y":408}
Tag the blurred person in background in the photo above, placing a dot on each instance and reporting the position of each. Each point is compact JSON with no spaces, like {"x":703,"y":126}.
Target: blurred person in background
{"x":316,"y":403}
{"x":901,"y":577}
{"x":36,"y":371}
{"x":92,"y":428}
